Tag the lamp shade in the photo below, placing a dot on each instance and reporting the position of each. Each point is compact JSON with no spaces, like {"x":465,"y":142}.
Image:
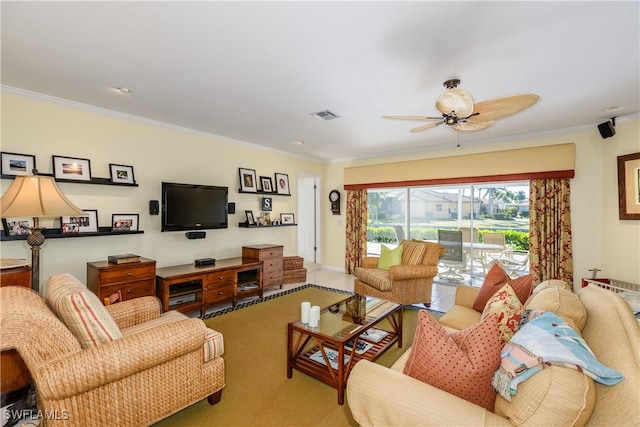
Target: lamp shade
{"x":36,"y":196}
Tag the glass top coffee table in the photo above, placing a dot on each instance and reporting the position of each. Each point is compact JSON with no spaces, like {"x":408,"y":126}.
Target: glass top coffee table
{"x":353,"y":329}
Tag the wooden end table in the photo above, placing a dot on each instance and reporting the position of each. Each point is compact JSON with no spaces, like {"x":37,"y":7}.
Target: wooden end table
{"x":342,"y":329}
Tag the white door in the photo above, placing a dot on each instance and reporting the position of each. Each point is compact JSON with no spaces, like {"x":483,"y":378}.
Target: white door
{"x":308,"y":218}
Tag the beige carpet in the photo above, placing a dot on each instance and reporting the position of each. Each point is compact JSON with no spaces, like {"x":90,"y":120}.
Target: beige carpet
{"x":258,"y":392}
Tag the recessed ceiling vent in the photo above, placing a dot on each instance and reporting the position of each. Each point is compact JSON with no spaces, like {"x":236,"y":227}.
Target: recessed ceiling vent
{"x":325,"y":115}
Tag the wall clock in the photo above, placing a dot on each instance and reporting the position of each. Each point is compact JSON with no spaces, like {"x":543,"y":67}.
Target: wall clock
{"x":334,"y":198}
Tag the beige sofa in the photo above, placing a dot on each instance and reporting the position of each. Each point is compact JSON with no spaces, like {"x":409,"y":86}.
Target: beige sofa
{"x":162,"y":363}
{"x":555,"y":396}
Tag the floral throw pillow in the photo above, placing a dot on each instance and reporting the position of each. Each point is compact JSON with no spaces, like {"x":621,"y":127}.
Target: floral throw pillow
{"x":506,"y":304}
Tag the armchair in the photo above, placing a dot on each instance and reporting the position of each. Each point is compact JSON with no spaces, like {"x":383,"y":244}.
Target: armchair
{"x":161,"y":364}
{"x":408,"y":283}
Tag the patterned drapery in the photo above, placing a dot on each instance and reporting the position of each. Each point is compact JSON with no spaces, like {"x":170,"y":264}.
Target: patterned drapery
{"x":356,"y":229}
{"x":550,"y":244}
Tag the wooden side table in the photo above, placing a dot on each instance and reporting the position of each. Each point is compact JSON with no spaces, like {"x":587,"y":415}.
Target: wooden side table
{"x":132,"y":279}
{"x":271,"y":256}
{"x":14,"y":375}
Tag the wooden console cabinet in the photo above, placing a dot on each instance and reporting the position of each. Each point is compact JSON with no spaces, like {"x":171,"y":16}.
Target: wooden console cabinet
{"x":272,"y":257}
{"x":133,"y":279}
{"x":188,"y":288}
{"x":15,"y":375}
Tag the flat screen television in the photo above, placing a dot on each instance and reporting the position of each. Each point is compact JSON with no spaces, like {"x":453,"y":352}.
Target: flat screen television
{"x":193,"y":207}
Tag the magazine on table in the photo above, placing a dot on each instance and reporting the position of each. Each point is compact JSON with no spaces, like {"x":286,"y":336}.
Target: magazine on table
{"x":332,"y":355}
{"x":361,"y":347}
{"x":374,"y":335}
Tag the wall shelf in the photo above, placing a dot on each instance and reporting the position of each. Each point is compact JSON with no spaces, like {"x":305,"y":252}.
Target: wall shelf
{"x":56,"y":233}
{"x":262,"y":193}
{"x":245,"y":225}
{"x":94,"y":180}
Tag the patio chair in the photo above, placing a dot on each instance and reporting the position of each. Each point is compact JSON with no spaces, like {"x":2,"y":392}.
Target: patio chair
{"x":454,"y":256}
{"x":490,"y":256}
{"x":514,"y":261}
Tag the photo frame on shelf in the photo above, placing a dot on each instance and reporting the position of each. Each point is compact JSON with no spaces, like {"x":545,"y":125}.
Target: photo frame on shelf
{"x":287,"y":218}
{"x":267,"y":204}
{"x":71,"y":168}
{"x":17,"y":226}
{"x":250,"y":219}
{"x":15,"y":164}
{"x":121,"y":174}
{"x":124,"y":222}
{"x":282,"y":184}
{"x":80,"y":224}
{"x":248,"y":182}
{"x":629,"y":186}
{"x":267,"y":184}
{"x":265,"y":218}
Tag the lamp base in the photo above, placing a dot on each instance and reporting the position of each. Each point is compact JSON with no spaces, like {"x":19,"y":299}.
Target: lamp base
{"x":35,"y":239}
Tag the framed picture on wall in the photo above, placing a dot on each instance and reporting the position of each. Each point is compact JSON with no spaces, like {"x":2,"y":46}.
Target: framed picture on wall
{"x":122,"y":174}
{"x":17,"y":226}
{"x":267,"y":186}
{"x":282,"y":184}
{"x":629,"y":186}
{"x":14,"y":164}
{"x":71,"y":168}
{"x":80,"y":224}
{"x":248,"y":180}
{"x":124,"y":222}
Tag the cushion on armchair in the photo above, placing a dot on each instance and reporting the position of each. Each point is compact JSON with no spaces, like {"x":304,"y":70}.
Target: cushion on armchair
{"x":81,"y":310}
{"x":412,"y":252}
{"x":389,"y":257}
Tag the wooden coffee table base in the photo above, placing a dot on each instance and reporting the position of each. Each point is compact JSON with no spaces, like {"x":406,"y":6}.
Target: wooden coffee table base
{"x":303,"y":342}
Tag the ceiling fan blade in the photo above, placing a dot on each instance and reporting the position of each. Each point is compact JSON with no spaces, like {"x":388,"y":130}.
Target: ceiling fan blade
{"x":469,"y":126}
{"x":455,"y":100}
{"x":425,"y":127}
{"x":412,"y":117}
{"x":498,"y":108}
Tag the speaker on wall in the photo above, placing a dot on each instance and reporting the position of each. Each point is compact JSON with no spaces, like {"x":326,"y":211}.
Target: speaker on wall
{"x":231,"y":207}
{"x":607,"y":129}
{"x":154,"y":207}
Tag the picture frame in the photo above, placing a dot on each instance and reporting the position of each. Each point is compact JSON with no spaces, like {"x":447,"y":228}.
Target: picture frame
{"x":629,"y":186}
{"x":265,"y":218}
{"x":80,"y":224}
{"x":287,"y":218}
{"x":16,"y":164}
{"x":250,"y":219}
{"x":121,"y":174}
{"x":248,"y":182}
{"x":266,"y":184}
{"x":267,"y":204}
{"x":282,"y":184}
{"x":17,"y":226}
{"x":124,"y":222}
{"x":71,"y":168}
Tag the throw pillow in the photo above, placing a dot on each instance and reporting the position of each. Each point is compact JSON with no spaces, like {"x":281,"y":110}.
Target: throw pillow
{"x":389,"y":257}
{"x":507,"y":306}
{"x":82,"y":312}
{"x":495,"y":279}
{"x":412,"y":252}
{"x":461,"y":363}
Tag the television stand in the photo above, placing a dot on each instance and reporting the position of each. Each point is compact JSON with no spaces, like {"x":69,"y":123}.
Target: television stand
{"x":188,"y":287}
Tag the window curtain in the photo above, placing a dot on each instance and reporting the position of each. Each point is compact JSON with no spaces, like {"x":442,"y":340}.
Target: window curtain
{"x":550,"y":243}
{"x":356,"y":229}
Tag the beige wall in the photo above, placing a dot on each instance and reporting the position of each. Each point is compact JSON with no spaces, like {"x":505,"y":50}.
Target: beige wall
{"x":159,"y":153}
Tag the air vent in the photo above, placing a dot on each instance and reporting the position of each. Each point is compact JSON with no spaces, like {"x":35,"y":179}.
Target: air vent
{"x":325,"y":115}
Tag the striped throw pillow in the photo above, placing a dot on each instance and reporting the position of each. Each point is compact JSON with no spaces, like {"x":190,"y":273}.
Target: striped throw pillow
{"x":412,"y":253}
{"x":81,"y":310}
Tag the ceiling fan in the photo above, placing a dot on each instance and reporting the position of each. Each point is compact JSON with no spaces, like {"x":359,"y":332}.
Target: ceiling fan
{"x":461,"y":114}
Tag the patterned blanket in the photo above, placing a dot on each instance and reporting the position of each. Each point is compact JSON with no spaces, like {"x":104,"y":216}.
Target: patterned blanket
{"x":543,"y":341}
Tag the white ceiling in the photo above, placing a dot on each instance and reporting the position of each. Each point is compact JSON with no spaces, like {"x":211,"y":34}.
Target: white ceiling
{"x":254,"y":72}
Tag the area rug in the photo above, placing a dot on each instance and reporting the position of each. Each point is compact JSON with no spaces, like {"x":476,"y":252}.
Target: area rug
{"x":258,"y":392}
